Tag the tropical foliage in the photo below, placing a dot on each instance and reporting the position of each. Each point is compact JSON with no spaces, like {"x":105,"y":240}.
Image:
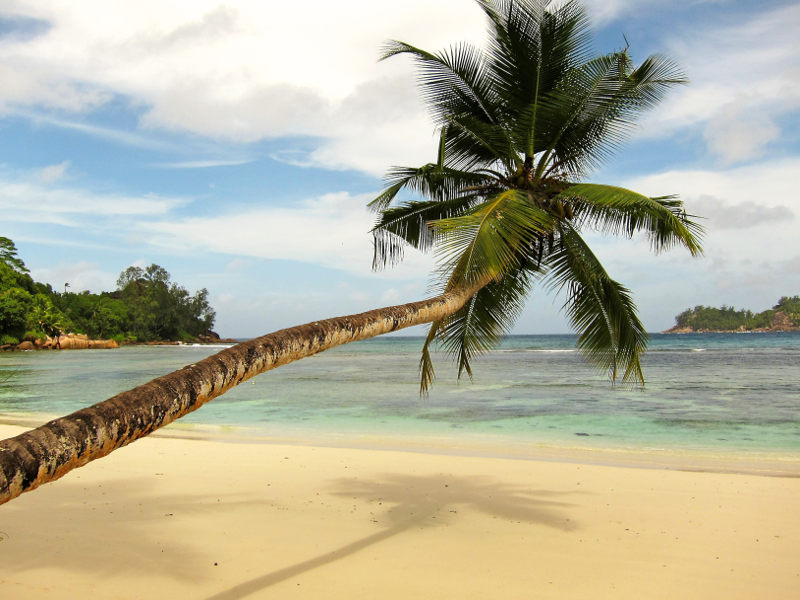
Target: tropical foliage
{"x":26,"y":307}
{"x":146,"y":306}
{"x":159,"y":309}
{"x":727,"y":318}
{"x":790,"y":306}
{"x":522,"y":123}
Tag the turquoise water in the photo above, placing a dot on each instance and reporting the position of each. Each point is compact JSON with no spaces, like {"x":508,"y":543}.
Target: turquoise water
{"x":719,"y":392}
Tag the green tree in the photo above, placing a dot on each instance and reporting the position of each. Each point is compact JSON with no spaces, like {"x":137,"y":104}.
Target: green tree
{"x":12,"y":278}
{"x":521,"y":125}
{"x":15,"y":304}
{"x":45,"y":318}
{"x":8,"y":255}
{"x":159,"y":309}
{"x":790,"y":305}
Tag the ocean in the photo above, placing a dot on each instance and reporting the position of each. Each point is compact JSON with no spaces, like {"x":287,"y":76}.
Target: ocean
{"x":725,"y":394}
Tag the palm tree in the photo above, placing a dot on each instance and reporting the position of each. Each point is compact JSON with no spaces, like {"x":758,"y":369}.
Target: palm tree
{"x":520,"y":124}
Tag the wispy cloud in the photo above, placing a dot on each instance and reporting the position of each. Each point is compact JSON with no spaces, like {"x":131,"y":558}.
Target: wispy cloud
{"x":722,"y":214}
{"x":744,"y":77}
{"x":52,"y":173}
{"x":34,"y":198}
{"x":329,"y":231}
{"x":257,"y":81}
{"x":126,"y":138}
{"x":749,"y":211}
{"x":204,"y":164}
{"x":80,"y":276}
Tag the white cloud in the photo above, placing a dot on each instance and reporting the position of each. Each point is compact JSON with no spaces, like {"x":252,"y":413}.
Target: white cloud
{"x":743,"y":79}
{"x":52,"y":173}
{"x":80,"y":276}
{"x":243,"y":72}
{"x":34,"y":199}
{"x":751,"y":246}
{"x":204,"y":164}
{"x":768,"y":184}
{"x":722,"y":214}
{"x":736,"y":134}
{"x":272,"y":70}
{"x":331,"y":231}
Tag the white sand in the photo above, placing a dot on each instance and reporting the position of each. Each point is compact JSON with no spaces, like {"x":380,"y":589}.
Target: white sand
{"x":173,"y":518}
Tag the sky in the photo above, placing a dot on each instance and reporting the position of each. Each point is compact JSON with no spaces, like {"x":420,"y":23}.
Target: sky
{"x":236,"y":144}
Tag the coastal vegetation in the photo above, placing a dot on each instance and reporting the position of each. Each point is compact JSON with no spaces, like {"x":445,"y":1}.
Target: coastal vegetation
{"x":783,"y":315}
{"x":146,"y":306}
{"x":521,"y":124}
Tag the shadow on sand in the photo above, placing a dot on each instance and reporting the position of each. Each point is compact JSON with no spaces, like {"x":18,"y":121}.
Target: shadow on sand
{"x":421,"y":501}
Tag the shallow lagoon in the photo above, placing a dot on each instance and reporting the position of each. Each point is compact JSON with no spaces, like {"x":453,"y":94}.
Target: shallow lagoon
{"x":731,"y":393}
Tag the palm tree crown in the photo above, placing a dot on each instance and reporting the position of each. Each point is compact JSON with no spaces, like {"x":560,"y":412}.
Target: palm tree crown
{"x":521,"y":124}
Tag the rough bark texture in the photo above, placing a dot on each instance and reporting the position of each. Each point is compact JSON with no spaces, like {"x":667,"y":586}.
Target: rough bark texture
{"x":46,"y":453}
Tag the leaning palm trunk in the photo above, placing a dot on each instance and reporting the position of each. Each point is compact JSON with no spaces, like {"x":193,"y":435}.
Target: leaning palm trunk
{"x":46,"y":453}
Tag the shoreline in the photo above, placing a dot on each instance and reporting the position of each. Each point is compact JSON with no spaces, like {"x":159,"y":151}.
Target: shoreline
{"x":100,"y":344}
{"x":471,"y":445}
{"x":223,"y":521}
{"x":688,"y":330}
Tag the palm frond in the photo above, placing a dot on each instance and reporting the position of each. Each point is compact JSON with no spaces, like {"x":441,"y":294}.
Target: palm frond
{"x":485,"y":243}
{"x":452,"y":81}
{"x":520,"y":122}
{"x":473,"y":143}
{"x":408,"y":225}
{"x":653,"y":78}
{"x":532,"y":48}
{"x":580,"y":108}
{"x":533,"y":45}
{"x":383,"y":200}
{"x":599,"y":103}
{"x":617,"y":210}
{"x":426,"y":370}
{"x":600,"y":309}
{"x":430,"y":180}
{"x":480,"y":324}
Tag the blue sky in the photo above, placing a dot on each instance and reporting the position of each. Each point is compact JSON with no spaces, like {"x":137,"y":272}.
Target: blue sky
{"x":237,"y":144}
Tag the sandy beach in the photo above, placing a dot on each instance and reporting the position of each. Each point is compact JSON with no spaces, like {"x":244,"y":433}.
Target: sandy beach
{"x":184,"y":518}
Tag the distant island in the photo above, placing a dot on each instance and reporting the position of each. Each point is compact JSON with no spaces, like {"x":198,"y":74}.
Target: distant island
{"x":784,"y":316}
{"x":146,"y":307}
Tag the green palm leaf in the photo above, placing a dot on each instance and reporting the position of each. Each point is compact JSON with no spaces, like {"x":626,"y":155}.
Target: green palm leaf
{"x":452,"y":81}
{"x":598,"y":104}
{"x":618,"y":210}
{"x":409,"y":225}
{"x":521,"y":122}
{"x":600,"y":309}
{"x":484,"y":244}
{"x":480,"y":324}
{"x":430,"y":180}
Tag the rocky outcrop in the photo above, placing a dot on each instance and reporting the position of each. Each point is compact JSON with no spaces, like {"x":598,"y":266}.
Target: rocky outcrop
{"x":212,"y":337}
{"x":782,"y":322}
{"x":79,"y":341}
{"x":70,"y":341}
{"x":679,"y":329}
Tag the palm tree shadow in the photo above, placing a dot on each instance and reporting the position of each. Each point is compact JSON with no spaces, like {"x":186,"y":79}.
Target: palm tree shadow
{"x":422,"y":501}
{"x":132,"y":520}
